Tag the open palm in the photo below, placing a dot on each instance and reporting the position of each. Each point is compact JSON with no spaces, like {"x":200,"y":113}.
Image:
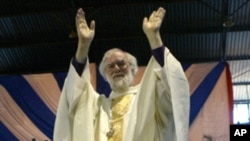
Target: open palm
{"x":152,"y":24}
{"x":85,"y":32}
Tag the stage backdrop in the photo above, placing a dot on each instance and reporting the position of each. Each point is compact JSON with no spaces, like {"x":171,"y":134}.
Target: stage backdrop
{"x":28,"y":103}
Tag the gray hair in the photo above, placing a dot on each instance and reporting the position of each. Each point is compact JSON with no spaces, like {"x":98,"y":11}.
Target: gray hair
{"x":131,"y":59}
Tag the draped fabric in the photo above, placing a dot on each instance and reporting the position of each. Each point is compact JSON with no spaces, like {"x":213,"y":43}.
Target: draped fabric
{"x":28,"y":103}
{"x":211,"y":103}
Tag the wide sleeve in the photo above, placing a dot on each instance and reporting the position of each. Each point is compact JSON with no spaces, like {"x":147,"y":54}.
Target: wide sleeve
{"x":172,"y":98}
{"x":163,"y":101}
{"x":77,"y":106}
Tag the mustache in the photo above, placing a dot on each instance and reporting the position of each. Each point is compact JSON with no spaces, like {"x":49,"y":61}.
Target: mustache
{"x":118,"y":74}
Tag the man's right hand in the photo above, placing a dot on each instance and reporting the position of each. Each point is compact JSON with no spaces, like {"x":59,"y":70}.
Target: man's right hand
{"x":85,"y":35}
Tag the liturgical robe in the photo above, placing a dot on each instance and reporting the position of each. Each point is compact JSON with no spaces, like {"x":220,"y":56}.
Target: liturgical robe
{"x":158,"y":110}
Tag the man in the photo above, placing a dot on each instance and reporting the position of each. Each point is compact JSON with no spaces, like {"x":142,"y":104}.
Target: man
{"x":155,"y":110}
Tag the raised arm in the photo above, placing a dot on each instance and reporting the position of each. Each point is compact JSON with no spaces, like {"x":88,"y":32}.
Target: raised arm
{"x":151,"y":27}
{"x":85,"y":35}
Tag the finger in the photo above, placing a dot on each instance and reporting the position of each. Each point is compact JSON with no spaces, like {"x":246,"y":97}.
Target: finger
{"x":80,"y":16}
{"x":152,"y":15}
{"x":160,"y":12}
{"x":81,"y":13}
{"x":92,"y":25}
{"x":145,"y":20}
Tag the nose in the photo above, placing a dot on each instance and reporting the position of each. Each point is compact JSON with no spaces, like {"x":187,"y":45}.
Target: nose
{"x":116,"y":67}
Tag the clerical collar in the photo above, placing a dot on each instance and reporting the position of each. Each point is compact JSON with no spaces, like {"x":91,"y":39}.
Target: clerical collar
{"x":131,"y":90}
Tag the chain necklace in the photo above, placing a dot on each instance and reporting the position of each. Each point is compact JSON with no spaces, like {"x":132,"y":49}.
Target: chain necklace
{"x":119,"y":108}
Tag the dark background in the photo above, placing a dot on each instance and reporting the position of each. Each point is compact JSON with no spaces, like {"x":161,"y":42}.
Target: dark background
{"x":34,"y":34}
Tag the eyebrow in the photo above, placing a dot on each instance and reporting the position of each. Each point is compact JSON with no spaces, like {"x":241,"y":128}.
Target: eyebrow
{"x":119,"y":61}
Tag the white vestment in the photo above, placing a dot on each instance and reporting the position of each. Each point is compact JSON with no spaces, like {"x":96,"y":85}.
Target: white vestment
{"x":159,"y":109}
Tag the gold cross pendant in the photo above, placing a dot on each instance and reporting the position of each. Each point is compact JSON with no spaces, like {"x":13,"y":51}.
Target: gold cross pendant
{"x":110,"y":133}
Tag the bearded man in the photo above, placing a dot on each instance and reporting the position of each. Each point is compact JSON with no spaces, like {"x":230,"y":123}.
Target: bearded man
{"x":157,"y":109}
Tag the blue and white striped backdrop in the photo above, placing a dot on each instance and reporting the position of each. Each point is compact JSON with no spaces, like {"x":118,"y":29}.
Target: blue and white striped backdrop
{"x":28,"y":102}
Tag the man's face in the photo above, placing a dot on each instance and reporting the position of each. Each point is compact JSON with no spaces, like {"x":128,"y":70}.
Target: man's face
{"x":118,"y":72}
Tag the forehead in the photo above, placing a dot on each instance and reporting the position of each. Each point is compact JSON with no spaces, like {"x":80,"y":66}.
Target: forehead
{"x":116,"y":56}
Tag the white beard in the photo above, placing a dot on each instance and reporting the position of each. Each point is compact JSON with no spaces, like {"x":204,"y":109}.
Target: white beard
{"x":121,"y":84}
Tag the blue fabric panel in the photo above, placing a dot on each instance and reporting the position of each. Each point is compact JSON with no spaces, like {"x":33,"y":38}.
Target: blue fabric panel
{"x":102,"y":86}
{"x":5,"y":134}
{"x":201,"y":94}
{"x":60,"y":77}
{"x":30,"y":103}
{"x":185,"y":66}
